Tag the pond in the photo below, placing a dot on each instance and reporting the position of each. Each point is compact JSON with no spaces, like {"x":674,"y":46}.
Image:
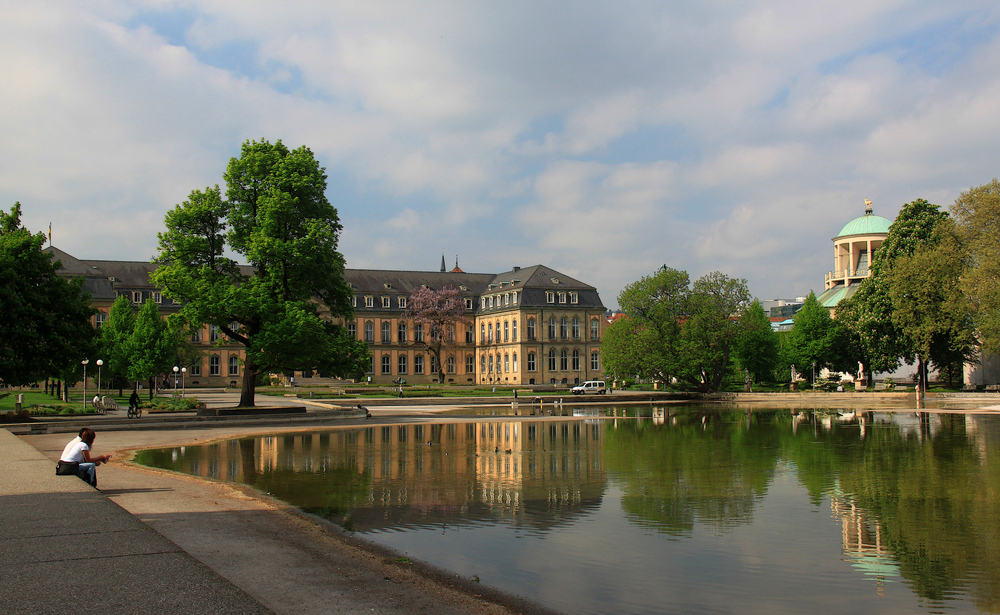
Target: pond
{"x":692,"y":509}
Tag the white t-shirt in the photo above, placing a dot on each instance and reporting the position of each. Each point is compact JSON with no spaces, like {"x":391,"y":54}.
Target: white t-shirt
{"x":68,"y":448}
{"x":76,"y":453}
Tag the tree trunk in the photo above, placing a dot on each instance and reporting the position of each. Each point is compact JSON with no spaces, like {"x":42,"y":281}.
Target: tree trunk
{"x":249,"y":383}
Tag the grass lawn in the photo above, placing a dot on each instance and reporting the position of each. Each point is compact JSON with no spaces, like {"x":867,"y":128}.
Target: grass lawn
{"x":39,"y":403}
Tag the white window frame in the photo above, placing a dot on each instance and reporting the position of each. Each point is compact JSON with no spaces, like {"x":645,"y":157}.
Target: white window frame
{"x":550,"y":297}
{"x":385,"y":302}
{"x":369,"y":301}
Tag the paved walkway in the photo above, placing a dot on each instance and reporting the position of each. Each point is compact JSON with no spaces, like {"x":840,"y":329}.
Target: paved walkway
{"x":67,"y":548}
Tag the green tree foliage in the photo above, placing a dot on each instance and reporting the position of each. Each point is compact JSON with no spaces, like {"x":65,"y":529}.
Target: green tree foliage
{"x":977,"y":215}
{"x":692,"y":329}
{"x":869,"y":313}
{"x":927,"y":299}
{"x":277,"y":217}
{"x":756,"y":344}
{"x":45,"y":328}
{"x":813,"y":338}
{"x":710,"y":330}
{"x":114,"y":341}
{"x":152,"y":347}
{"x":631,"y":348}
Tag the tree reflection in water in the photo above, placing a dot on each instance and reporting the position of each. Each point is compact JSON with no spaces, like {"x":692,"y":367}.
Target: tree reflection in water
{"x":913,"y":496}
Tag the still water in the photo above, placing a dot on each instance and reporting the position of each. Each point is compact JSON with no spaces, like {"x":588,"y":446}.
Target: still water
{"x":691,"y":510}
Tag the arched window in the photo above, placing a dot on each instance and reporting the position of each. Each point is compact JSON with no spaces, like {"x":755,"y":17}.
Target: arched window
{"x":552,"y":327}
{"x":506,"y":363}
{"x":514,"y":359}
{"x":482,"y":333}
{"x":489,"y":333}
{"x":531,"y":328}
{"x":370,"y":332}
{"x":506,"y":330}
{"x":563,"y":328}
{"x":482,"y":364}
{"x":490,"y":370}
{"x":532,"y":365}
{"x":386,"y":333}
{"x":576,"y":328}
{"x":498,"y":362}
{"x":449,"y":365}
{"x":401,"y":364}
{"x":552,"y":360}
{"x":576,"y":360}
{"x":513,"y":330}
{"x":564,"y":360}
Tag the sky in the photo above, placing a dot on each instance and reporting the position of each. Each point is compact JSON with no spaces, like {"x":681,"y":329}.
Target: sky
{"x":603,"y":139}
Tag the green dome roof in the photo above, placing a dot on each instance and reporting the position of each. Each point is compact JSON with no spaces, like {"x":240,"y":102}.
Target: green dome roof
{"x":868,"y":224}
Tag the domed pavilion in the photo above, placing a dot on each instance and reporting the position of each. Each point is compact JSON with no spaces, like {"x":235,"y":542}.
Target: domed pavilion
{"x":853,"y":248}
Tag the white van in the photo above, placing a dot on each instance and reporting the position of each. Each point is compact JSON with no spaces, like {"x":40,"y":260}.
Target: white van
{"x":590,"y":386}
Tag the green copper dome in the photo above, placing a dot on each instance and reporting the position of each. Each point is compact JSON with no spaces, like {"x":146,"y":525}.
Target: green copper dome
{"x":868,"y":224}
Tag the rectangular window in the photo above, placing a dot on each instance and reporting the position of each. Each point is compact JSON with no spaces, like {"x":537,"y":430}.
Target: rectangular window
{"x":385,"y":302}
{"x":136,"y":297}
{"x":354,"y":301}
{"x":369,"y":301}
{"x":402,"y":364}
{"x":214,"y":366}
{"x":468,"y":304}
{"x":470,"y":364}
{"x":470,"y":334}
{"x":418,"y":364}
{"x":418,"y":332}
{"x":402,"y":303}
{"x":99,"y":319}
{"x":386,"y":332}
{"x":352,"y":330}
{"x":562,"y":297}
{"x":506,"y":299}
{"x":195,"y":370}
{"x":157,"y":298}
{"x":531,"y":362}
{"x":213,"y":333}
{"x":594,"y":328}
{"x":574,"y":298}
{"x":594,"y":363}
{"x":550,"y":297}
{"x":513,"y":333}
{"x":196,"y":336}
{"x":234,"y":365}
{"x":513,"y":298}
{"x":401,"y":332}
{"x":370,"y":332}
{"x":386,"y":364}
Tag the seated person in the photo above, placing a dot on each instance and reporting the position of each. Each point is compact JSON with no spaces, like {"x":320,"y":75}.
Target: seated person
{"x":80,"y":453}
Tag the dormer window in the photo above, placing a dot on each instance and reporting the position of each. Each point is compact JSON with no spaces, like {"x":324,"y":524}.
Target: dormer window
{"x":574,"y":298}
{"x":369,"y":301}
{"x":385,"y":302}
{"x":550,"y":297}
{"x":402,"y":303}
{"x":562,"y":297}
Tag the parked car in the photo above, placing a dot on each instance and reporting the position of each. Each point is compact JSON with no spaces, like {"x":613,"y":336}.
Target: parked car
{"x":590,"y":386}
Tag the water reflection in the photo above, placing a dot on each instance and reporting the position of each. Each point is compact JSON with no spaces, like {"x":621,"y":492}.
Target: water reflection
{"x":701,"y":508}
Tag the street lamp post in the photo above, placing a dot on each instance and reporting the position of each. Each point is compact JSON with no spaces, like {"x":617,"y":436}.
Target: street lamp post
{"x":184,"y":372}
{"x":84,"y":363}
{"x":176,"y":369}
{"x":100,"y":362}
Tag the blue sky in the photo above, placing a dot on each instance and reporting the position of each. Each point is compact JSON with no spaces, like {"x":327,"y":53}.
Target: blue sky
{"x":602,"y":139}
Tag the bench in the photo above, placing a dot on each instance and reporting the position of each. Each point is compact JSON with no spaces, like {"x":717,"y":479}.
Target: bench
{"x":879,"y":386}
{"x":993,"y":388}
{"x":967,"y":387}
{"x":105,"y":404}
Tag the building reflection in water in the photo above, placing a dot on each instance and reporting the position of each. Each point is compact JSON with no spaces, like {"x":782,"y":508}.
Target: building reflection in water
{"x":536,"y":473}
{"x":863,"y":548}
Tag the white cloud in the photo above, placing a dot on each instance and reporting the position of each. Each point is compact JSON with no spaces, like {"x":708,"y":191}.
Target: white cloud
{"x":604,"y":140}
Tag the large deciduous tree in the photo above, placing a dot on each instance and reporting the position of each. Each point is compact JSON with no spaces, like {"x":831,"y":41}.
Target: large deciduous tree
{"x":977,"y":215}
{"x":440,"y":312}
{"x":883,"y":340}
{"x":45,"y":325}
{"x":152,"y":347}
{"x":692,"y":329}
{"x":277,"y":217}
{"x":756,"y":344}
